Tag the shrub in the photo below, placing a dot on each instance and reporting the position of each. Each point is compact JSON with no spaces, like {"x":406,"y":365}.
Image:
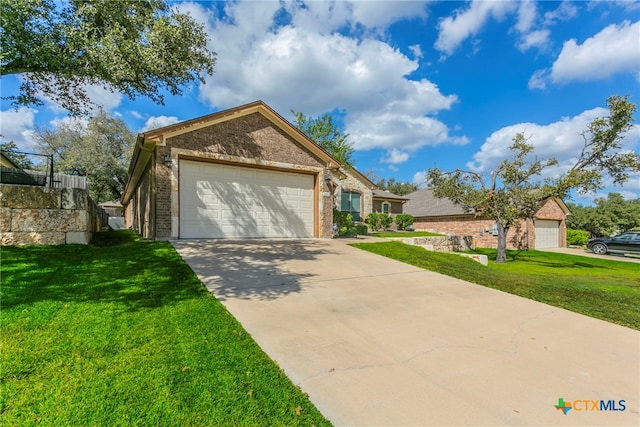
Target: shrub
{"x":404,"y":221}
{"x":577,"y":237}
{"x":378,"y":221}
{"x":344,"y":222}
{"x":362,"y":229}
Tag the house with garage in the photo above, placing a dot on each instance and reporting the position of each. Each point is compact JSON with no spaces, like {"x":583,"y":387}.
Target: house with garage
{"x":547,"y":228}
{"x":245,"y":172}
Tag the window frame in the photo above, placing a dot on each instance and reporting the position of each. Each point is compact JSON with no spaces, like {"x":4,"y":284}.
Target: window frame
{"x":358,"y":213}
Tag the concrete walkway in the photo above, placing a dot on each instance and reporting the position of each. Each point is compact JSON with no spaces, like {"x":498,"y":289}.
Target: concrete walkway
{"x":377,"y":342}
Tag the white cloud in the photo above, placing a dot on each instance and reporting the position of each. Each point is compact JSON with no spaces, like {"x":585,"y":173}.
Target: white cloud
{"x":17,"y":126}
{"x":466,"y":23}
{"x":561,"y":140}
{"x":564,"y":12}
{"x":537,"y":38}
{"x":615,"y":49}
{"x":527,"y":15}
{"x":70,"y":122}
{"x":395,"y":156}
{"x":539,"y":79}
{"x":416,"y":50}
{"x":157,"y":122}
{"x":325,"y":17}
{"x":420,"y":179}
{"x":314,"y":70}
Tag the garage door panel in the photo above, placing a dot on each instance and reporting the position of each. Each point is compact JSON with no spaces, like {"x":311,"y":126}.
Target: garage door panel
{"x":222,"y":201}
{"x":547,"y":234}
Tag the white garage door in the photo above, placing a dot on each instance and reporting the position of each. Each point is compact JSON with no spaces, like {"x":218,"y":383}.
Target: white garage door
{"x":221,"y":201}
{"x":547,"y":234}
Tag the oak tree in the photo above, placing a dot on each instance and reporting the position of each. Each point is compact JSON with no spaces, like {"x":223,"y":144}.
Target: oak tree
{"x":99,"y":149}
{"x":136,"y":47}
{"x":515,"y":189}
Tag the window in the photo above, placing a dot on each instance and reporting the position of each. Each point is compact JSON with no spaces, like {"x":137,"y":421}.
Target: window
{"x":350,"y":203}
{"x":385,"y":207}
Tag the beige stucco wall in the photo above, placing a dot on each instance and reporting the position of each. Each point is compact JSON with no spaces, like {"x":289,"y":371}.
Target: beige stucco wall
{"x":46,"y":216}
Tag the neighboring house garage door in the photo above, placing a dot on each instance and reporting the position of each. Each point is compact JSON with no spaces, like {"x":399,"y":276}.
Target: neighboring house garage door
{"x":222,"y":201}
{"x":547,"y":234}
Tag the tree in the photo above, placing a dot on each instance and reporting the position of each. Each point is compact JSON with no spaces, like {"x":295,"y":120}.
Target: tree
{"x":396,"y":187}
{"x":326,"y":134}
{"x":610,"y":215}
{"x":99,"y":149}
{"x":137,"y":47}
{"x":20,"y":159}
{"x":514,"y":190}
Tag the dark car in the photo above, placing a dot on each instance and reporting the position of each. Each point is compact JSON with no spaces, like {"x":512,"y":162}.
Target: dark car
{"x":625,"y":243}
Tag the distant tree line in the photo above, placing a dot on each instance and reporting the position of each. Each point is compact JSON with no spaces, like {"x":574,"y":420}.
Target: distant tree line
{"x":611,"y":215}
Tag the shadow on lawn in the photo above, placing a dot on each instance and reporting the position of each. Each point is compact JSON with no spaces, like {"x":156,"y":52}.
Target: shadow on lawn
{"x":118,"y":267}
{"x":546,"y":259}
{"x":249,"y":268}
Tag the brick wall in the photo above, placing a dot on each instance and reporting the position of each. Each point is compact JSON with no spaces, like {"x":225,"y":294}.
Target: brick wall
{"x":245,"y":141}
{"x":47,"y":216}
{"x":520,"y":236}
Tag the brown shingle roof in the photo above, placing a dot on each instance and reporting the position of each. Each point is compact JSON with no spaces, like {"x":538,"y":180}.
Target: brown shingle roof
{"x":381,"y":194}
{"x":422,"y":203}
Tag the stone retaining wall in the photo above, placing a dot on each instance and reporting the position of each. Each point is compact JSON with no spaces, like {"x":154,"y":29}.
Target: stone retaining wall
{"x":46,"y":216}
{"x":441,"y":243}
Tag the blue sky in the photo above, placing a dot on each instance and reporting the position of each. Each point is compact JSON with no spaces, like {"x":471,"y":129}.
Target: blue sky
{"x":415,"y":84}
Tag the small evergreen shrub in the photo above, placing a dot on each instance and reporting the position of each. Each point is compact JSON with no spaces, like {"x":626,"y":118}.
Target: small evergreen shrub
{"x":577,"y":237}
{"x":404,"y":221}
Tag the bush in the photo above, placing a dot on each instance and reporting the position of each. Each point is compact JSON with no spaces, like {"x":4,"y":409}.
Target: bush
{"x":577,"y":237}
{"x":378,"y":221}
{"x":362,"y":229}
{"x":404,"y":221}
{"x":344,"y":222}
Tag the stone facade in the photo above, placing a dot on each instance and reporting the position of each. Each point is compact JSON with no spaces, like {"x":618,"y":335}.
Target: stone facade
{"x":481,"y":229}
{"x":349,"y":182}
{"x":33,"y":215}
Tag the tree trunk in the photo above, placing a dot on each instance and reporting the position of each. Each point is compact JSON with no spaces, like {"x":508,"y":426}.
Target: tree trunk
{"x":501,"y":256}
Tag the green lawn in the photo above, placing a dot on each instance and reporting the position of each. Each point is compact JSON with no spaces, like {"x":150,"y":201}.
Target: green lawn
{"x":123,"y":333}
{"x":401,"y":234}
{"x":602,"y":288}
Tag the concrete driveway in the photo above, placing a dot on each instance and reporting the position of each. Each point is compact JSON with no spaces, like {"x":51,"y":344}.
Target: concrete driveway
{"x":589,"y":254}
{"x":377,"y":342}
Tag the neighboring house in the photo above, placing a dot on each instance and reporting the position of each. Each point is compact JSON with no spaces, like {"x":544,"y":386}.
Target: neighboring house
{"x":547,"y":228}
{"x":245,"y":172}
{"x":386,"y":202}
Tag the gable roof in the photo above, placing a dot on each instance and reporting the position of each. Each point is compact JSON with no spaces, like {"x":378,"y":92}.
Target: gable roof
{"x":424,"y":203}
{"x":146,"y":142}
{"x":382,"y":194}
